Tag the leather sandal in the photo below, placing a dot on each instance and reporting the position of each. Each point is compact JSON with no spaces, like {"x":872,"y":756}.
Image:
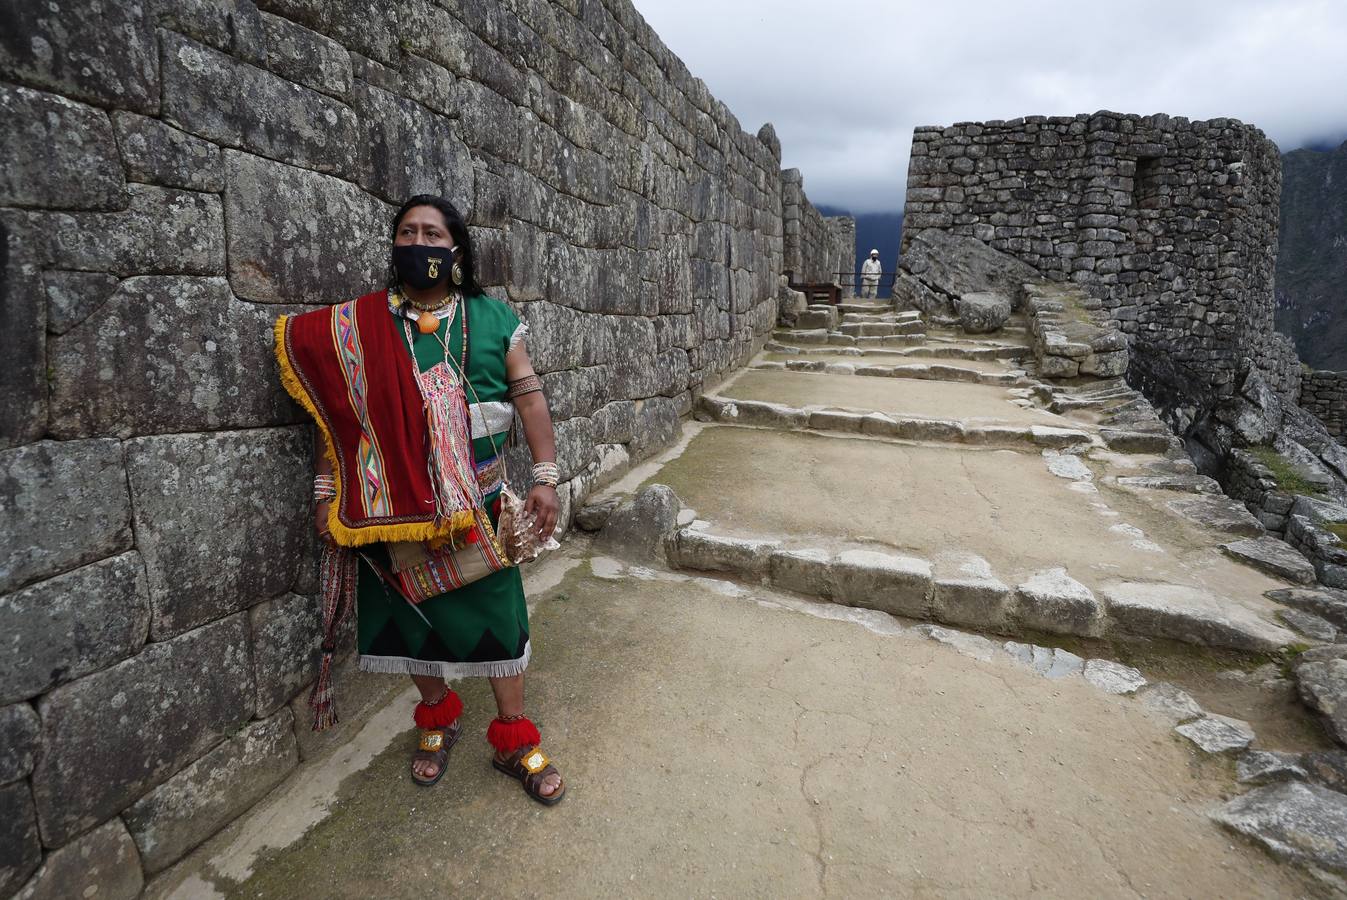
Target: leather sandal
{"x":434,"y":747}
{"x":530,"y":765}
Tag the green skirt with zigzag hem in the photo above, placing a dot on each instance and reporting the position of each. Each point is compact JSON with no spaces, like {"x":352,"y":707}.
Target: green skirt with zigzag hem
{"x":480,"y":629}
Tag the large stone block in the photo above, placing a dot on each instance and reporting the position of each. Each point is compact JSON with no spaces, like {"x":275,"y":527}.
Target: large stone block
{"x":20,"y":848}
{"x":978,"y":602}
{"x":73,"y":296}
{"x":62,"y":504}
{"x":300,"y":237}
{"x":23,"y":346}
{"x":19,"y":726}
{"x":899,"y":585}
{"x":57,"y":153}
{"x":1053,"y":601}
{"x":637,"y":529}
{"x":405,"y":149}
{"x":236,"y":104}
{"x":220,"y":519}
{"x":102,"y":864}
{"x":155,"y":152}
{"x":103,"y":51}
{"x":208,"y":794}
{"x":174,"y":354}
{"x":353,"y":25}
{"x":305,"y":56}
{"x":287,"y":633}
{"x":125,"y":730}
{"x":1191,"y":615}
{"x":70,"y":625}
{"x":162,"y":231}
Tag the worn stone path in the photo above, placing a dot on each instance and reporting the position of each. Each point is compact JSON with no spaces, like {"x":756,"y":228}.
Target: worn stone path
{"x":1040,"y":663}
{"x":725,"y":741}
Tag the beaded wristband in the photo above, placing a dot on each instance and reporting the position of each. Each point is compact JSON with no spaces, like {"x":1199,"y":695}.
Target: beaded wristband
{"x":546,"y":473}
{"x":324,"y":488}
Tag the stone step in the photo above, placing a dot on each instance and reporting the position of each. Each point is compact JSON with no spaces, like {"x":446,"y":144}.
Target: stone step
{"x":780,"y":344}
{"x":918,"y":371}
{"x":849,"y":318}
{"x":857,"y":306}
{"x":761,"y":414}
{"x":881,"y":329}
{"x":911,"y":587}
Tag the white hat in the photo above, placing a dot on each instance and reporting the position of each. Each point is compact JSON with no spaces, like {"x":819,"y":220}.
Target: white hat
{"x":874,"y":252}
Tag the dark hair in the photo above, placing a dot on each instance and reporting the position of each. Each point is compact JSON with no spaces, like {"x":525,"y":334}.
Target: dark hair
{"x":458,"y":232}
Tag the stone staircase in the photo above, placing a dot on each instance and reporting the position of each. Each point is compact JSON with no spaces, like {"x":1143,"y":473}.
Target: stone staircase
{"x":943,"y":485}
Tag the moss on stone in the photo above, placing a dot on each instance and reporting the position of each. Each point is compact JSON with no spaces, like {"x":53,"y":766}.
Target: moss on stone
{"x":1289,"y":478}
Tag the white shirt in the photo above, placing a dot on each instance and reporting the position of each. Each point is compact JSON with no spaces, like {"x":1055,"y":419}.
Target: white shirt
{"x":871,"y":267}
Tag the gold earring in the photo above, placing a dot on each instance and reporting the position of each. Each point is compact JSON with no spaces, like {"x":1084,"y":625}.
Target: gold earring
{"x":456,"y":273}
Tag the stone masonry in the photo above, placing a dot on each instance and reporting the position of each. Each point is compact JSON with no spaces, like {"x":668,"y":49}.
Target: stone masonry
{"x":844,"y":247}
{"x":1325,"y":395}
{"x":1171,"y":223}
{"x":176,"y":178}
{"x":811,"y":242}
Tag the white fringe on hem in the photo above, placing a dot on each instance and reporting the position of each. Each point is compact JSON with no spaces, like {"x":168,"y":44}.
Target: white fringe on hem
{"x":403,"y":665}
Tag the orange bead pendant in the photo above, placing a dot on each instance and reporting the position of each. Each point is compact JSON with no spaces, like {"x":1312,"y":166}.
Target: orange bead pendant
{"x":426,"y":323}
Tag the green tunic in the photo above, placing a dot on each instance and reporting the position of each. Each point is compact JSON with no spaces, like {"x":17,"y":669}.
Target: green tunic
{"x":481,"y":628}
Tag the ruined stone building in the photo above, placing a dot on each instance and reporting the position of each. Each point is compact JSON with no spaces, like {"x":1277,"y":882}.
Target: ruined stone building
{"x":1171,"y":226}
{"x":180,"y":175}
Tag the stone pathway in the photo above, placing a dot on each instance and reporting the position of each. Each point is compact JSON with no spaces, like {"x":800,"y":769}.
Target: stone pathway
{"x":907,"y":620}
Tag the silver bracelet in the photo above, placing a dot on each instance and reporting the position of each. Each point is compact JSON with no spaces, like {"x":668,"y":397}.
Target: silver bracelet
{"x":547,"y":473}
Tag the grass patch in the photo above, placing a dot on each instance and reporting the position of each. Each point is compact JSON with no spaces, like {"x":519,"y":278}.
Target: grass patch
{"x":1289,"y":478}
{"x":1338,"y":528}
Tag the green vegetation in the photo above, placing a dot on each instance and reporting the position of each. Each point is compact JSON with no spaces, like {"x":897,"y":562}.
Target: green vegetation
{"x":1288,"y":477}
{"x":1338,"y":528}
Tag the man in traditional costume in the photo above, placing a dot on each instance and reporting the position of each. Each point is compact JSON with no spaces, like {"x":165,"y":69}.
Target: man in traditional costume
{"x":414,"y":390}
{"x":871,"y":269}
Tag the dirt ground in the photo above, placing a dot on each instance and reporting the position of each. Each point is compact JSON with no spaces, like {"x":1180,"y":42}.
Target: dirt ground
{"x":718,"y":746}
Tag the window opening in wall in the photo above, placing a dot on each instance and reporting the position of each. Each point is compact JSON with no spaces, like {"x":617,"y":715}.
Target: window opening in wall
{"x":1146,"y":184}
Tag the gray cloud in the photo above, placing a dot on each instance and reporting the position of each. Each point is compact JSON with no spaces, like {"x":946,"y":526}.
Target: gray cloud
{"x":844,"y":82}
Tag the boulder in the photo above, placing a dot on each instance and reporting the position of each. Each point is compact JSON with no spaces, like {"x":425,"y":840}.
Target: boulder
{"x":1169,"y":702}
{"x":637,"y":529}
{"x":1309,"y":624}
{"x":1274,"y":556}
{"x":1217,"y":734}
{"x":982,"y":311}
{"x":1302,"y":823}
{"x":1113,"y":678}
{"x":1322,"y":601}
{"x":1220,"y":513}
{"x":956,"y":265}
{"x":1321,"y":676}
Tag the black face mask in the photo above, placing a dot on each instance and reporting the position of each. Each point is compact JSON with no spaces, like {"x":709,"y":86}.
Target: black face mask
{"x":421,"y":266}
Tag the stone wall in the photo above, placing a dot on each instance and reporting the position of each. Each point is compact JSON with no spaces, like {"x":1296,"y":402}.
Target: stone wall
{"x":1172,"y":224}
{"x":808,"y":243}
{"x":844,"y":251}
{"x":175,"y":178}
{"x":1324,"y":394}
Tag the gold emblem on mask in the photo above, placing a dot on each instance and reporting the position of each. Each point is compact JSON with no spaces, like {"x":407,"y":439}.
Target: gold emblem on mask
{"x":434,"y":270}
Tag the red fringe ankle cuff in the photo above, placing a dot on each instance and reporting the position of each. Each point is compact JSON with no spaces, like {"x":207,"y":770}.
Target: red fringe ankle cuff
{"x":441,"y":715}
{"x":507,"y":737}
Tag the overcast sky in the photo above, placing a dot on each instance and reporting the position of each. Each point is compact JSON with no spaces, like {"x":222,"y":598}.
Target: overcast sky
{"x":845,"y":81}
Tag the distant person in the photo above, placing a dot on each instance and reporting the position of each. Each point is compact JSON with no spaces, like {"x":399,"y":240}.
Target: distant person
{"x":870,"y":272}
{"x":414,"y":388}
